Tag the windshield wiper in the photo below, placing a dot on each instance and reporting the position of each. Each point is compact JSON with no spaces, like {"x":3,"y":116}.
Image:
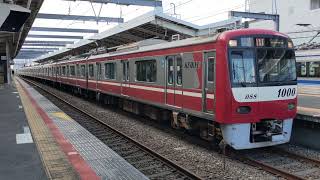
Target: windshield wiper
{"x":243,"y":84}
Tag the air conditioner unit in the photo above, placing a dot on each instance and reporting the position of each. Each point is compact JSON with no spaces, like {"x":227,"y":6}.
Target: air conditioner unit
{"x":12,"y":17}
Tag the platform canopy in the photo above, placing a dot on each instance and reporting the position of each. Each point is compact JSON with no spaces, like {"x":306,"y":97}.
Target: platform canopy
{"x":152,"y":3}
{"x":154,"y":24}
{"x":15,"y":40}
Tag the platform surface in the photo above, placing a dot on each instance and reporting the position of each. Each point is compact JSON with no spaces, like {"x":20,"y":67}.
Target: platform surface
{"x":309,"y":101}
{"x":19,"y":157}
{"x":98,"y":156}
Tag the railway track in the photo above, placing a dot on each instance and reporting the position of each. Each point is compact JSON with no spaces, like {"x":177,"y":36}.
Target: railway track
{"x":285,"y":164}
{"x":146,"y":160}
{"x":274,"y":160}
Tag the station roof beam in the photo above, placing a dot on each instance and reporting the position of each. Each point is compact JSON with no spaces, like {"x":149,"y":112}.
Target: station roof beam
{"x":44,"y":44}
{"x":54,"y":36}
{"x":152,"y":3}
{"x":64,"y":30}
{"x":79,"y":18}
{"x":38,"y":49}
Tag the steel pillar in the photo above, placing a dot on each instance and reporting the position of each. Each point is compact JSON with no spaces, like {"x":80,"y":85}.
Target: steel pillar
{"x":262,"y":16}
{"x":8,"y":54}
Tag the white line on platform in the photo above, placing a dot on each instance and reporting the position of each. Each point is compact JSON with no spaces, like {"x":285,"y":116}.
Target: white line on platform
{"x":25,"y":137}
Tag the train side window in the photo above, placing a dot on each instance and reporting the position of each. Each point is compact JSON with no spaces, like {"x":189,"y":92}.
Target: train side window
{"x":91,"y":70}
{"x":170,"y":70}
{"x":83,"y":70}
{"x":210,"y":69}
{"x":179,"y":71}
{"x":78,"y":70}
{"x":72,"y":71}
{"x":125,"y":70}
{"x":68,"y":71}
{"x":110,"y":70}
{"x":63,"y":70}
{"x":146,"y":71}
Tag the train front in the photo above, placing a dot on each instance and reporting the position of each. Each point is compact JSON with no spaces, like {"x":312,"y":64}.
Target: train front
{"x":263,"y":80}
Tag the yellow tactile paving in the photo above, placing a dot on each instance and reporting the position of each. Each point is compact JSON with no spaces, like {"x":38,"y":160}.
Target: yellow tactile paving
{"x":54,"y":160}
{"x":61,"y":116}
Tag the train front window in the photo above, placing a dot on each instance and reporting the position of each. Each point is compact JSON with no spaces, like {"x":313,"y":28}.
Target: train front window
{"x":242,"y":67}
{"x":276,"y":65}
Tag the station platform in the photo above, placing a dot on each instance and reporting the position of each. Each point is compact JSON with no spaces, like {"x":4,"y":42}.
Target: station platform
{"x":309,"y":102}
{"x":62,"y":148}
{"x":19,"y":157}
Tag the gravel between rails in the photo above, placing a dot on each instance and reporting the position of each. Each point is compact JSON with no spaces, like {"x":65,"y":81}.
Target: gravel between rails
{"x":202,"y":161}
{"x":303,"y":151}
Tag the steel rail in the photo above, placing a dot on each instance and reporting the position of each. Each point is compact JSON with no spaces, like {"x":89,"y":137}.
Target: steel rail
{"x":271,"y":169}
{"x":143,"y":147}
{"x":275,"y":170}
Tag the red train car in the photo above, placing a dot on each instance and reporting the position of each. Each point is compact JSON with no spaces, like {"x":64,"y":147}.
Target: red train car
{"x":239,"y":85}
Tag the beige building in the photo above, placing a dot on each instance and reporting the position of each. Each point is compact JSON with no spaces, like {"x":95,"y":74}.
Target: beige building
{"x":300,"y":19}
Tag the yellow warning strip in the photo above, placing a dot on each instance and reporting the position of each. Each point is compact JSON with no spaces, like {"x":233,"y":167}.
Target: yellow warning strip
{"x":53,"y":158}
{"x":61,"y":115}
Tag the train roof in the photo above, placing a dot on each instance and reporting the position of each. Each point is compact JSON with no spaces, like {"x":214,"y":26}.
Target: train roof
{"x":131,"y":48}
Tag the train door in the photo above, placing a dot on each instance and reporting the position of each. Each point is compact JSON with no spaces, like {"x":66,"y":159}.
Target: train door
{"x":125,"y":78}
{"x":173,"y":91}
{"x":209,"y":82}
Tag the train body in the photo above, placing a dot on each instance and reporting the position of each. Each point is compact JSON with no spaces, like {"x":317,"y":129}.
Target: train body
{"x":239,"y":86}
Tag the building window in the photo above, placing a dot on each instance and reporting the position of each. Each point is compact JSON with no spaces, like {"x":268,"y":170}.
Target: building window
{"x":315,"y":4}
{"x":146,"y":71}
{"x":91,"y":70}
{"x":72,"y":71}
{"x":110,"y":70}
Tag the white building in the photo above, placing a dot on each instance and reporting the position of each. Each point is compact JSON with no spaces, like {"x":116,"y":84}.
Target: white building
{"x":300,"y":19}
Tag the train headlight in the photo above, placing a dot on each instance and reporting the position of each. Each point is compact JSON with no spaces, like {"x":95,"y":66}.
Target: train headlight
{"x":244,"y":110}
{"x":291,"y":106}
{"x":233,"y":43}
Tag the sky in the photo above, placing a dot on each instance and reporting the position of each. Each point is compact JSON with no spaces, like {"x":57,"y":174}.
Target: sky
{"x":199,"y":12}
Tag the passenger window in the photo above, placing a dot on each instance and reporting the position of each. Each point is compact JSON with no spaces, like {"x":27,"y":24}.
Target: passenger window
{"x":67,"y":71}
{"x":63,"y":71}
{"x":170,"y":70}
{"x":72,"y":71}
{"x":210,"y":69}
{"x":146,"y":71}
{"x":125,"y":71}
{"x":110,"y":70}
{"x":83,"y":70}
{"x":91,"y":70}
{"x":179,"y":70}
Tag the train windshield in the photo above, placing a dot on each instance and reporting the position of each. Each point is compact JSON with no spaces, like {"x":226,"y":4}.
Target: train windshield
{"x":261,"y":62}
{"x":243,"y":71}
{"x":276,"y":65}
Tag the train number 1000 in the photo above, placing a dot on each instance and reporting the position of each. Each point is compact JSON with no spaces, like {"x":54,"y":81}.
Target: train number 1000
{"x":286,"y":92}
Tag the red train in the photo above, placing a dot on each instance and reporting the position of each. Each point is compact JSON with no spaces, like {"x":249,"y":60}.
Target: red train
{"x":239,"y":85}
